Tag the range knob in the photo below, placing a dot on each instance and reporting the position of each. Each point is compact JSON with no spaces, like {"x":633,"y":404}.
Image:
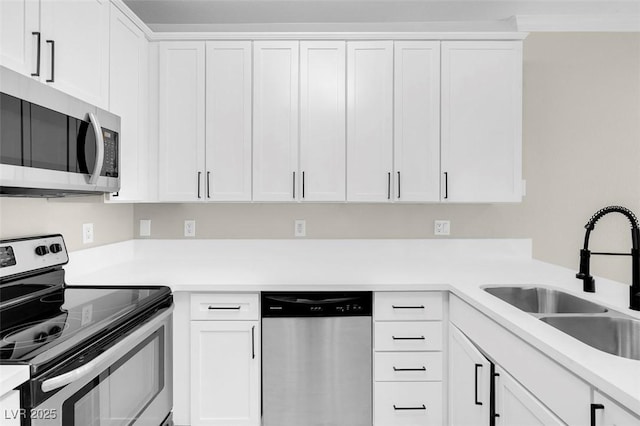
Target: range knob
{"x":42,"y":250}
{"x":55,"y":248}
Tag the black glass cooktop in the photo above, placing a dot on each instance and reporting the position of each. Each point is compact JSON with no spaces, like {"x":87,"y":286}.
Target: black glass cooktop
{"x":62,"y":319}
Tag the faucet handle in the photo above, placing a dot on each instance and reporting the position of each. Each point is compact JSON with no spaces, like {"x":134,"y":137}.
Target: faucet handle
{"x":588,"y":283}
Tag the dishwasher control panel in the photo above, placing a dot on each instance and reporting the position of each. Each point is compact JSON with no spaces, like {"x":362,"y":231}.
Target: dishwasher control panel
{"x":316,"y":304}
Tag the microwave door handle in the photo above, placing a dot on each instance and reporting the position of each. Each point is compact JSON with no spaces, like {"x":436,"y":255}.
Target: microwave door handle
{"x":98,"y":363}
{"x":97,"y":168}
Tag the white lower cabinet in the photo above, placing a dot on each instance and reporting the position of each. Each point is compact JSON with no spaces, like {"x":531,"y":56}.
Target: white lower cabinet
{"x":408,"y":360}
{"x":517,"y":406}
{"x":225,"y":368}
{"x":408,"y":404}
{"x":10,"y":408}
{"x":605,"y":412}
{"x":469,"y":382}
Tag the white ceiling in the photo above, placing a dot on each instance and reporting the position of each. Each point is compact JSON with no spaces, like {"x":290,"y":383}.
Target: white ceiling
{"x":265,"y":15}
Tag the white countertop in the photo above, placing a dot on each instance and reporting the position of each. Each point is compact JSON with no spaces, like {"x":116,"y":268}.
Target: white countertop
{"x":460,"y":266}
{"x":12,"y":376}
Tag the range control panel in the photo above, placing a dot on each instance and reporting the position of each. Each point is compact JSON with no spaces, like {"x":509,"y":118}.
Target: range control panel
{"x":28,"y":254}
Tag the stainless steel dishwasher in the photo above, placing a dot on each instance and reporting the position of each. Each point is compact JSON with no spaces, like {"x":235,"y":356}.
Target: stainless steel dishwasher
{"x":316,"y":359}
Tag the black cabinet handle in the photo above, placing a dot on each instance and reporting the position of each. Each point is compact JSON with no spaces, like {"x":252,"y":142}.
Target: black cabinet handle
{"x":388,"y":185}
{"x":116,"y":194}
{"x":423,"y":368}
{"x":208,"y":185}
{"x":476,"y":385}
{"x":253,"y":342}
{"x":294,"y":185}
{"x":199,"y":174}
{"x":407,"y":338}
{"x":407,"y":307}
{"x":446,"y":185}
{"x":594,"y":408}
{"x":398,"y":185}
{"x":37,"y":73}
{"x":224,"y":308}
{"x":422,"y":407}
{"x":302,"y":184}
{"x":53,"y":60}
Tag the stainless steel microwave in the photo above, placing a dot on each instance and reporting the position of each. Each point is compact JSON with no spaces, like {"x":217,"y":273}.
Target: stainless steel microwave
{"x":52,"y":144}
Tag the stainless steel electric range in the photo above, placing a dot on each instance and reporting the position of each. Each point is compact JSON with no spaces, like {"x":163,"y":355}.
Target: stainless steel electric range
{"x":97,"y":355}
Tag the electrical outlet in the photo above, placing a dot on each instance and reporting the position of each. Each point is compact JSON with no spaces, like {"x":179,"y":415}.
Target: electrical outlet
{"x":300,"y":228}
{"x":189,"y":228}
{"x":441,"y":227}
{"x":145,"y":227}
{"x":87,"y":233}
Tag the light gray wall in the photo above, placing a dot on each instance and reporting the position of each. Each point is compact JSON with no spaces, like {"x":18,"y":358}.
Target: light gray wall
{"x":21,"y":217}
{"x":581,"y":152}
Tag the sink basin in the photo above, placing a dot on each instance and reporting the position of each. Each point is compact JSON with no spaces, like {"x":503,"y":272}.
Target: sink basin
{"x":617,"y":336}
{"x":541,"y":300}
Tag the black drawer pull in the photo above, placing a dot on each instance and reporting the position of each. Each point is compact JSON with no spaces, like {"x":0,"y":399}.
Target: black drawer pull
{"x":407,"y":338}
{"x":224,"y":308}
{"x":423,"y":368}
{"x":422,"y":407}
{"x":407,"y":307}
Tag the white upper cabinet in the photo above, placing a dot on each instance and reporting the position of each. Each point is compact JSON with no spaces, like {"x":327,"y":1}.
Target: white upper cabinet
{"x":128,"y":93}
{"x":75,"y":48}
{"x":322,"y":121}
{"x":417,"y":121}
{"x":181,"y":121}
{"x":481,"y":121}
{"x":228,"y":121}
{"x":19,"y":29}
{"x":275,"y":120}
{"x":63,"y":43}
{"x":369,"y":120}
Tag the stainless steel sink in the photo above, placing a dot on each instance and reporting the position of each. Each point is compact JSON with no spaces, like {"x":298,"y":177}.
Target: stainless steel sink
{"x":617,"y":336}
{"x":541,"y":300}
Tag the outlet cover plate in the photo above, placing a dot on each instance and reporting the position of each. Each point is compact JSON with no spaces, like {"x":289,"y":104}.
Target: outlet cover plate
{"x":441,"y":227}
{"x":189,"y":228}
{"x":145,"y":227}
{"x":87,"y":233}
{"x":300,"y":228}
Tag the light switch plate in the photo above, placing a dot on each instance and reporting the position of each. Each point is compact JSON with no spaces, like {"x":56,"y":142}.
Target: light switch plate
{"x":145,"y":227}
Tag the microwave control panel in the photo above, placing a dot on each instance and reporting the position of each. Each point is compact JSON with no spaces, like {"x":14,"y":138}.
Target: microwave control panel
{"x":110,"y":165}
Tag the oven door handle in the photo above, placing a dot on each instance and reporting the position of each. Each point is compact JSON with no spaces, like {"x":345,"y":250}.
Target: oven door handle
{"x":97,"y":168}
{"x":94,"y":366}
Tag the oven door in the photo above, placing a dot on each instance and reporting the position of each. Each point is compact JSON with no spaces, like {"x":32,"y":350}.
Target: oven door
{"x":128,"y":384}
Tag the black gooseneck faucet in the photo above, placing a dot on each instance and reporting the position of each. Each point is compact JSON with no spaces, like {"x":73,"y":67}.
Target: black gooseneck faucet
{"x":585,"y":254}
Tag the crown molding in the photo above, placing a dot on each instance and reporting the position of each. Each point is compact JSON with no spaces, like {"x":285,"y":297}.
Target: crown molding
{"x":578,"y":23}
{"x":122,"y":7}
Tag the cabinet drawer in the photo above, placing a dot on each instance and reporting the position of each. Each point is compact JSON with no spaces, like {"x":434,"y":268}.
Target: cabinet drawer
{"x":408,"y":404}
{"x":212,"y":306}
{"x":408,"y":336}
{"x":408,"y":366}
{"x":407,"y":306}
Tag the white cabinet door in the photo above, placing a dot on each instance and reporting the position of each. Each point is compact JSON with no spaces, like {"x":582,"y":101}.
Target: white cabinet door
{"x":275,"y":120}
{"x":417,"y":121}
{"x":19,"y":19}
{"x":605,"y":412}
{"x":482,"y":121}
{"x":517,"y":406}
{"x":228,"y":122}
{"x":322,"y":120}
{"x":75,"y":37}
{"x":225,"y":373}
{"x":369,"y":120}
{"x":181,"y":128}
{"x":128,"y":91}
{"x":469,"y":382}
